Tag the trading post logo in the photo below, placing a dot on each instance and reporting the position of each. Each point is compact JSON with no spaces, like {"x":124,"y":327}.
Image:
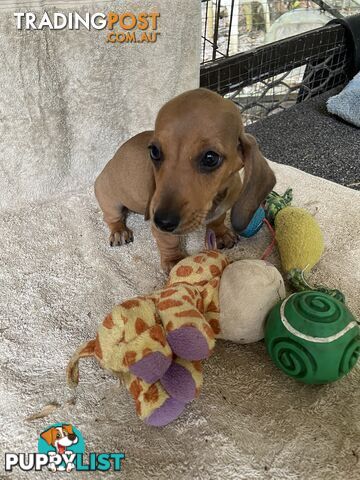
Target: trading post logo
{"x":61,"y":448}
{"x":125,"y":27}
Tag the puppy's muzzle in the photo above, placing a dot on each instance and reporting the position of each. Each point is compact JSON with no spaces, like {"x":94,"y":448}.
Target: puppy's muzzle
{"x":166,"y":221}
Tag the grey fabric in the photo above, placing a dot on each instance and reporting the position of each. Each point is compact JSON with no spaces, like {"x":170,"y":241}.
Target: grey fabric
{"x":346,"y":104}
{"x":59,"y":278}
{"x":68,"y":99}
{"x":308,"y":137}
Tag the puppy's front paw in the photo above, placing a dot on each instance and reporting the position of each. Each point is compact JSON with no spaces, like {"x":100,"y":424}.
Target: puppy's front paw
{"x":121,"y":237}
{"x":168,"y":263}
{"x":226,"y":239}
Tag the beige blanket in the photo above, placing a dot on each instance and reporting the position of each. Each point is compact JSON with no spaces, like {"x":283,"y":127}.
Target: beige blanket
{"x":31,"y":4}
{"x":68,"y":99}
{"x":59,"y":277}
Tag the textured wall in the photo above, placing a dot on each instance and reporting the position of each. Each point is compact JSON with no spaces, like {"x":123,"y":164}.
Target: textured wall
{"x":68,"y":99}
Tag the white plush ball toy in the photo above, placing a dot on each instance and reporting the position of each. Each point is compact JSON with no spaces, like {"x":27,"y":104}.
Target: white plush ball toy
{"x":249,"y":289}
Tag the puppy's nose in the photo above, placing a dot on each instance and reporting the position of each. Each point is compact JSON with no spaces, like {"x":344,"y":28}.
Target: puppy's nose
{"x":166,"y":221}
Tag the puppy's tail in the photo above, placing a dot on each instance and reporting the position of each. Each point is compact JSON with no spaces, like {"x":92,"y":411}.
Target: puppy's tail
{"x":72,"y":371}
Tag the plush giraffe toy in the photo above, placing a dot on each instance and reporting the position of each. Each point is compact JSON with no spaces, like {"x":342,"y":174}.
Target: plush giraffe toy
{"x":156,"y":342}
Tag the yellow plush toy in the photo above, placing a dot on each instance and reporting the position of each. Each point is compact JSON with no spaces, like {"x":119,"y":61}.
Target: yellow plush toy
{"x":299,"y":239}
{"x":155,"y":343}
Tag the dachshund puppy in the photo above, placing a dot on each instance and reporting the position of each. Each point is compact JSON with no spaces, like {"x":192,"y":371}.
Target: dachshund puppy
{"x":185,"y":174}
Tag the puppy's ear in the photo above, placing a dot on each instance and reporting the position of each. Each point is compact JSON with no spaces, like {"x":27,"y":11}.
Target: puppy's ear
{"x":258,"y":182}
{"x":48,"y":436}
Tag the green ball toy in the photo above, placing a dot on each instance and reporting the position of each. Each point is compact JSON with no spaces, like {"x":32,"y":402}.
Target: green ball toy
{"x":313,"y":337}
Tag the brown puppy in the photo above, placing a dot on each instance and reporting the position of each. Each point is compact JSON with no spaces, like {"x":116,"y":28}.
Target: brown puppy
{"x":185,"y":174}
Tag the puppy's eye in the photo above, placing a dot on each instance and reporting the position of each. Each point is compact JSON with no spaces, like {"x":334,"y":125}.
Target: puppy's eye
{"x":210,"y":161}
{"x":155,"y":153}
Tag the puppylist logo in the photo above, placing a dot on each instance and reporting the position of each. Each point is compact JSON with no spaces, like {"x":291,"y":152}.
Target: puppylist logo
{"x":61,"y":448}
{"x":125,"y":27}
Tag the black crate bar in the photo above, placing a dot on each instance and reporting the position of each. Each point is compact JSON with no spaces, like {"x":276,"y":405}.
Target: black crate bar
{"x":227,"y":75}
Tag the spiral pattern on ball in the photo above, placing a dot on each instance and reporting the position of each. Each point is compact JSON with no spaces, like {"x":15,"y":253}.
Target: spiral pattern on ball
{"x":317,"y":307}
{"x":350,"y":356}
{"x":292,"y":358}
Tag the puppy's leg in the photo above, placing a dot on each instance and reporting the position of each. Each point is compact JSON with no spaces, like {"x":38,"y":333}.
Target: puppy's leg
{"x":170,"y":249}
{"x":225,"y":237}
{"x":120,"y":234}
